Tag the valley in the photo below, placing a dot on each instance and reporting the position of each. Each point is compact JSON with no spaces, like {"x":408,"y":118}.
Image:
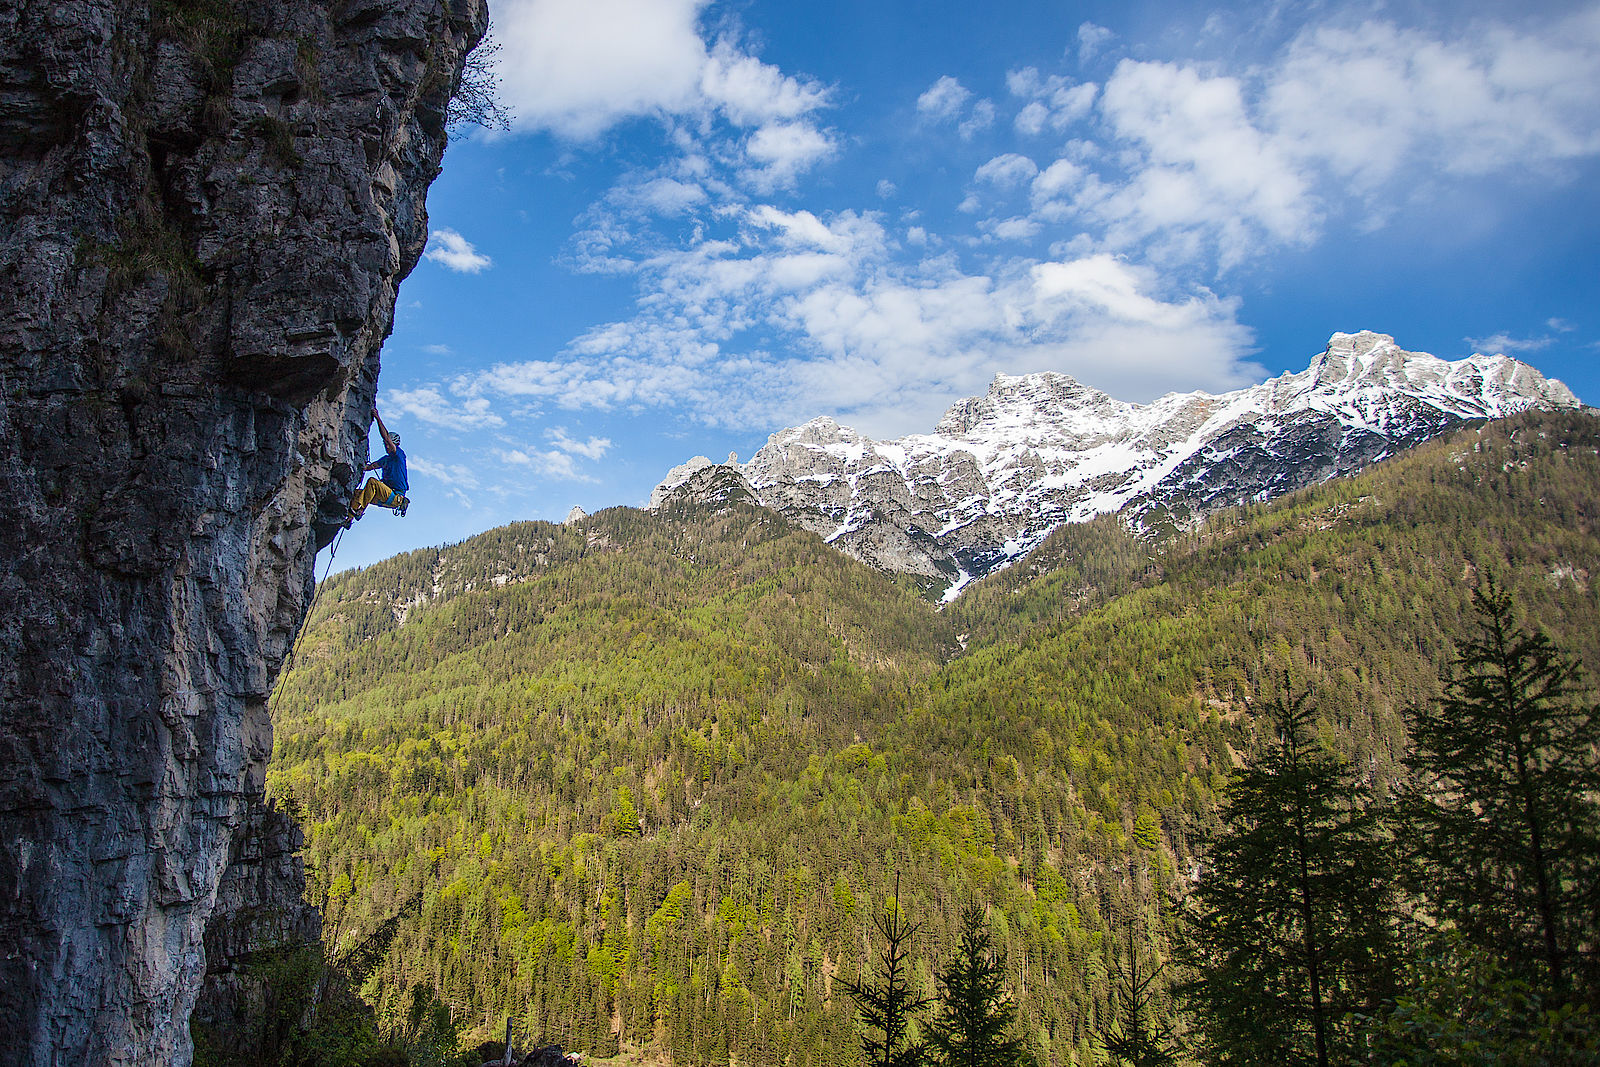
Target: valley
{"x":647,"y":777}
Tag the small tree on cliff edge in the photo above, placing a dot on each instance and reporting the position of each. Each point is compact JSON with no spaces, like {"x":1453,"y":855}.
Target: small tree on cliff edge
{"x":886,"y":1003}
{"x":975,"y":1013}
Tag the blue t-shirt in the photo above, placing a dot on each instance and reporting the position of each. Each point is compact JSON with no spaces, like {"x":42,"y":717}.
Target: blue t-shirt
{"x":393,"y":470}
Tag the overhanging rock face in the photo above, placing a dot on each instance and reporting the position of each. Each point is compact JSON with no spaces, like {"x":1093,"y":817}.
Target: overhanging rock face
{"x":205,"y":210}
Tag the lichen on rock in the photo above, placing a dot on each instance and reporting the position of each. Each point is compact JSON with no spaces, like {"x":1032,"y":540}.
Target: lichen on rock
{"x":206,"y":207}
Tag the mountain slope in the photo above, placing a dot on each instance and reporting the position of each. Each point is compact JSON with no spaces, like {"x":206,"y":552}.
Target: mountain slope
{"x":1001,"y":471}
{"x":651,"y":773}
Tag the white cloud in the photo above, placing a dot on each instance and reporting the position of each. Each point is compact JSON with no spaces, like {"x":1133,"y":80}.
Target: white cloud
{"x":1091,"y":39}
{"x":451,"y":413}
{"x":1007,"y":171}
{"x":576,"y":67}
{"x":981,"y":118}
{"x":1054,"y":102}
{"x":552,"y":464}
{"x":1500,"y":344}
{"x":944,"y":99}
{"x":1357,"y":120}
{"x":437,"y":350}
{"x":1369,"y":102}
{"x":1560,"y":325}
{"x":1016,"y":229}
{"x":886,"y":189}
{"x":594,"y":448}
{"x":449,"y":249}
{"x":753,"y":93}
{"x":661,"y":196}
{"x":883,"y":344}
{"x":1205,"y":166}
{"x":783,"y":151}
{"x":460,"y":482}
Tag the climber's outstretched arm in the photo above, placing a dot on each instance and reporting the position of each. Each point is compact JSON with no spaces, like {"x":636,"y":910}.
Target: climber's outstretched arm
{"x":388,"y":441}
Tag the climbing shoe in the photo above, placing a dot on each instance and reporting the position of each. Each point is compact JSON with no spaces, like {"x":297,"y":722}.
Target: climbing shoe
{"x":400,"y":508}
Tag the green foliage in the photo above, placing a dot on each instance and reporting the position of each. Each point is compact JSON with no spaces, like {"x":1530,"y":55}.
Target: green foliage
{"x":1464,"y":1008}
{"x":1290,"y":921}
{"x":886,"y":1004}
{"x":793,"y":729}
{"x":974,"y":1024}
{"x":1139,"y":1032}
{"x":1506,"y":809}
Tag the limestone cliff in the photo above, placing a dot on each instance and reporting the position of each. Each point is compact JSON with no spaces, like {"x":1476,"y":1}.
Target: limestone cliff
{"x":206,"y":207}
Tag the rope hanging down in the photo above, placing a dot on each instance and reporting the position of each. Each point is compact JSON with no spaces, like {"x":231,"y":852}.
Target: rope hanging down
{"x":316,"y":592}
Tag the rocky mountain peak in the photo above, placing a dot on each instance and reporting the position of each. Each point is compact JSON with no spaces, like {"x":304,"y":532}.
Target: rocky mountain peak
{"x":1001,"y":470}
{"x":1015,"y":399}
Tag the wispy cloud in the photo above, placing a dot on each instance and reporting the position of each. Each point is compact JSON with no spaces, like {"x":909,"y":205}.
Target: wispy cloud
{"x":1091,"y":39}
{"x":594,"y":448}
{"x":863,"y":334}
{"x":1499,"y":344}
{"x":449,"y":249}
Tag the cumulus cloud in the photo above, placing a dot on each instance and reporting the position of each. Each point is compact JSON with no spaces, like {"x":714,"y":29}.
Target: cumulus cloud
{"x":980,"y":118}
{"x":792,"y":313}
{"x":1488,"y":101}
{"x":1054,"y":102}
{"x":449,"y":249}
{"x":1205,"y":165}
{"x":577,"y":67}
{"x":432,"y":406}
{"x":1196,"y":163}
{"x":550,"y":463}
{"x":944,"y":99}
{"x":1007,"y":171}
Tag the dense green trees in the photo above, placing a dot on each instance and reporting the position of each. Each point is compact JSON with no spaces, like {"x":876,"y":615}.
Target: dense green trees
{"x":650,"y":775}
{"x":886,"y":1003}
{"x":975,"y":1020}
{"x":1291,"y":924}
{"x":1505,"y":809}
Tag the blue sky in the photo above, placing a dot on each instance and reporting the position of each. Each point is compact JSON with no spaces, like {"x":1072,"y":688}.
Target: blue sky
{"x":712,"y":220}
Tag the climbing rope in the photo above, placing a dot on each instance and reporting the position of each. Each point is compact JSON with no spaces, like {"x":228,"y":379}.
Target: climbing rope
{"x":316,"y":592}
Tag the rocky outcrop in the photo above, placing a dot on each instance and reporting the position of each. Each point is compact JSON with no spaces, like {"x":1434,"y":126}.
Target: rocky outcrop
{"x":206,"y":207}
{"x":1000,"y":471}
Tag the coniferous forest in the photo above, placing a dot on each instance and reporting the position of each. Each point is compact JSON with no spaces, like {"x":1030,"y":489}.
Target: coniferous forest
{"x":1314,"y":782}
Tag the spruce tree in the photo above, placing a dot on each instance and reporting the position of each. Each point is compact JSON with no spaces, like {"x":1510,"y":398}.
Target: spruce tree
{"x":1288,"y":925}
{"x":886,"y":1004}
{"x":1503,"y":807}
{"x":1136,"y":1036}
{"x":976,"y":1014}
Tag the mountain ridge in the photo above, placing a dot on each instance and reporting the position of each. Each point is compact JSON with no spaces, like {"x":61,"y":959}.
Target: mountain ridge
{"x":1000,"y":471}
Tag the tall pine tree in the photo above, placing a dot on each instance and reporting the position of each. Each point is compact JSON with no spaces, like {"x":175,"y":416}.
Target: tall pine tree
{"x":1504,"y":808}
{"x":885,"y":1003}
{"x":1288,"y":925}
{"x":976,"y":1015}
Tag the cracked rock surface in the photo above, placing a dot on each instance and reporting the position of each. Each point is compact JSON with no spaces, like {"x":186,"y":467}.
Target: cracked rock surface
{"x":206,"y":207}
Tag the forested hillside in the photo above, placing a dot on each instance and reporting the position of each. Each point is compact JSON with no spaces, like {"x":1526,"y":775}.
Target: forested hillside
{"x":647,"y":777}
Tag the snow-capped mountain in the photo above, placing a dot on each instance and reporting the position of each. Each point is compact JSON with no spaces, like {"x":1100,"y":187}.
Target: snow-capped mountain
{"x":1001,"y":470}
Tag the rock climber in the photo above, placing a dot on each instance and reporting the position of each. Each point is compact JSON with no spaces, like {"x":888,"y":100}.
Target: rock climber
{"x":388,"y":490}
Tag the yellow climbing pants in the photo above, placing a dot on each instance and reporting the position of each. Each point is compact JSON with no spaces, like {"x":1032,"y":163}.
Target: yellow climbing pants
{"x":374,"y":492}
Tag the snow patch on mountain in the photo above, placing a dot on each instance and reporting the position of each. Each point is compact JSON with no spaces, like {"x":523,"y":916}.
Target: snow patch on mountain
{"x":1000,"y":471}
